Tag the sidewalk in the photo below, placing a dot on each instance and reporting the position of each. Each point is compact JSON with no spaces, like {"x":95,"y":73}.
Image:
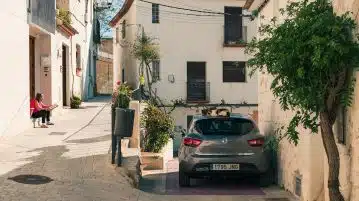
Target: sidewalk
{"x":73,"y":154}
{"x":15,"y":149}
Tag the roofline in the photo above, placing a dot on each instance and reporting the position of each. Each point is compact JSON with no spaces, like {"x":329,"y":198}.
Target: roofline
{"x":248,"y":4}
{"x":124,"y":9}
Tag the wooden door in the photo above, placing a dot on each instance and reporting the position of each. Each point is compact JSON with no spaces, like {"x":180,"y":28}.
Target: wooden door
{"x":32,"y":66}
{"x":196,"y":81}
{"x":64,"y":75}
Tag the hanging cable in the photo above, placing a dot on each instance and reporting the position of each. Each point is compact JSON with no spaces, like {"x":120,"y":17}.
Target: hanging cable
{"x":187,"y":9}
{"x":193,"y":10}
{"x":179,"y":13}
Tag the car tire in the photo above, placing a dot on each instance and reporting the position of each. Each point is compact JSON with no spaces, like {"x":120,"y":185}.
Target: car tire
{"x":184,"y":180}
{"x":266,"y":179}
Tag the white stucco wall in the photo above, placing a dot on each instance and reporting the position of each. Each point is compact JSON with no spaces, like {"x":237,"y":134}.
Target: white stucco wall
{"x":185,"y":38}
{"x":14,"y":78}
{"x":190,"y":38}
{"x":14,"y":116}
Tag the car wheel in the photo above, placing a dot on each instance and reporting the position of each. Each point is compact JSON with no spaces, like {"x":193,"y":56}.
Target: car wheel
{"x":184,"y":180}
{"x":266,"y":179}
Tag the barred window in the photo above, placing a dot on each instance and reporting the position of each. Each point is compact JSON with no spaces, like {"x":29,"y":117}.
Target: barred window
{"x":155,"y":13}
{"x":78,"y":56}
{"x":156,"y":70}
{"x":234,"y":71}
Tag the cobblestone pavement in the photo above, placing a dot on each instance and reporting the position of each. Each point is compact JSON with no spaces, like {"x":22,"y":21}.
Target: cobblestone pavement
{"x":74,"y":155}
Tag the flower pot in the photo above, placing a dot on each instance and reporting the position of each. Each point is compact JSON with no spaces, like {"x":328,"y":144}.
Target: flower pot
{"x":78,"y":72}
{"x":124,"y":122}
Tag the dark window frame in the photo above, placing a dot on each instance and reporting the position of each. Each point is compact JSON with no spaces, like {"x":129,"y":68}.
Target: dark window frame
{"x":78,"y":56}
{"x":156,"y":69}
{"x":229,"y":71}
{"x":233,"y":24}
{"x":155,"y":13}
{"x":342,"y":130}
{"x":123,"y":31}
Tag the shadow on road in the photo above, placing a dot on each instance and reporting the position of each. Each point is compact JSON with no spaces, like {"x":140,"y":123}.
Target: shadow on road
{"x":168,"y":184}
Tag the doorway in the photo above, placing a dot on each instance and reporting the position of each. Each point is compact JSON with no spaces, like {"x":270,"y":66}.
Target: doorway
{"x":32,"y":66}
{"x":64,"y":75}
{"x":196,"y":81}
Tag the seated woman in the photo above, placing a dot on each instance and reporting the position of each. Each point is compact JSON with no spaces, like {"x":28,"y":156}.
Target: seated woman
{"x":42,"y":110}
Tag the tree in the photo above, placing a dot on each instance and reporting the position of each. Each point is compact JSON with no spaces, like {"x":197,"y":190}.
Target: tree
{"x":105,"y":15}
{"x":311,"y":55}
{"x":146,"y":50}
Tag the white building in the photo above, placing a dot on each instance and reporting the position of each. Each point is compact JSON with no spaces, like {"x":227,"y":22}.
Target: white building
{"x":200,"y":42}
{"x":46,"y":55}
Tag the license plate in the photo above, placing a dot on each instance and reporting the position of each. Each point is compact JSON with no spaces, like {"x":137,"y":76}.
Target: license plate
{"x":225,"y":167}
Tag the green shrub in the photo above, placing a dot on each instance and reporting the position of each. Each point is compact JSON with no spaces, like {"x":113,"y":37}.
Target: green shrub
{"x":158,"y":126}
{"x":65,"y":16}
{"x":75,"y":102}
{"x":122,"y":96}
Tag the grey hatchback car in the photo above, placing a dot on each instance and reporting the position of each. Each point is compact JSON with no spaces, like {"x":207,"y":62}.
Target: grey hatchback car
{"x":229,"y":145}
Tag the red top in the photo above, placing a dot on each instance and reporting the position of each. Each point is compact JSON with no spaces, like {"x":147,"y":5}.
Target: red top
{"x":32,"y":106}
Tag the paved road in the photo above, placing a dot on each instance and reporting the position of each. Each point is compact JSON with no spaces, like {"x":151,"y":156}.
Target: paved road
{"x":73,"y":157}
{"x":245,"y":189}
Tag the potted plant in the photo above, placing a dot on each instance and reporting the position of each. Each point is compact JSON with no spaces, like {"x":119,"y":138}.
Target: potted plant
{"x":123,"y":116}
{"x":75,"y":102}
{"x":78,"y":72}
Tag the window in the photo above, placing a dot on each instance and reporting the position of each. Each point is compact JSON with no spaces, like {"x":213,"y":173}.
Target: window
{"x":234,"y":71}
{"x":156,"y":70}
{"x":123,"y":29}
{"x":341,"y":125}
{"x":225,"y":126}
{"x":233,"y":25}
{"x":78,"y":56}
{"x":155,"y":13}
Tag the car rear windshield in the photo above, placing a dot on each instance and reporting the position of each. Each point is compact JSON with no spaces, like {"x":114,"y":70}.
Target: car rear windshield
{"x":225,"y":126}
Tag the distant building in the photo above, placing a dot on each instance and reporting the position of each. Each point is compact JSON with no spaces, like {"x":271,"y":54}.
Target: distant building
{"x":202,"y":53}
{"x":104,"y":67}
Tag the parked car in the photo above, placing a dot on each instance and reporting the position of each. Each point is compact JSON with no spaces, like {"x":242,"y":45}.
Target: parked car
{"x":223,"y":145}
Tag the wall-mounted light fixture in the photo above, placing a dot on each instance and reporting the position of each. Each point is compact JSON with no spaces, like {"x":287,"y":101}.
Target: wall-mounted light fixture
{"x":171,"y":78}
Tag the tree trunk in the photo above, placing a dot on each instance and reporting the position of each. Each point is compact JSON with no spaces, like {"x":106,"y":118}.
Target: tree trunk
{"x":332,"y":152}
{"x":149,"y":82}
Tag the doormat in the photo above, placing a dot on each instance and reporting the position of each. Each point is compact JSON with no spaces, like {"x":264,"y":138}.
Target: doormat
{"x":205,"y":187}
{"x":57,"y":133}
{"x":31,"y":179}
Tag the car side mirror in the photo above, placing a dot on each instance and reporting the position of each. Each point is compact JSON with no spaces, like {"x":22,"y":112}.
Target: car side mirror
{"x":183,"y":132}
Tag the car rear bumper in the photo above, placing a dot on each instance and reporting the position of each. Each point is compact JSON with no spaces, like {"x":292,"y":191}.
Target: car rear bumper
{"x":255,"y":164}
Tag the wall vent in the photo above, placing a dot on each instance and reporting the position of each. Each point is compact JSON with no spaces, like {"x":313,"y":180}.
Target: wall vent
{"x":298,"y":184}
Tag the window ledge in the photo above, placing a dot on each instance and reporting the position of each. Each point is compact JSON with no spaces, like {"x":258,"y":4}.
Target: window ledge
{"x":197,"y":102}
{"x":235,"y":45}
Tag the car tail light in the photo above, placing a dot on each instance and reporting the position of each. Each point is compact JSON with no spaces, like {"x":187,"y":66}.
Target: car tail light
{"x":192,"y":142}
{"x":256,"y":142}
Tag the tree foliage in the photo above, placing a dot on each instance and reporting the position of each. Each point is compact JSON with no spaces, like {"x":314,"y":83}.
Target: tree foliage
{"x":159,"y":127}
{"x":105,"y":16}
{"x":146,"y":50}
{"x":311,"y":56}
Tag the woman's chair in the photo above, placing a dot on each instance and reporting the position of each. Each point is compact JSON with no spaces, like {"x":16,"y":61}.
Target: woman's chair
{"x":32,"y":108}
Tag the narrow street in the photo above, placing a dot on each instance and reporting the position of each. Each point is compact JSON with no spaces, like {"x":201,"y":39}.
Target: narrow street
{"x":165,"y":187}
{"x":72,"y":159}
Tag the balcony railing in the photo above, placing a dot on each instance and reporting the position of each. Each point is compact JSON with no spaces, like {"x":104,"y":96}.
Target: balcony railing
{"x":198,"y":92}
{"x":43,"y":14}
{"x":233,"y":40}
